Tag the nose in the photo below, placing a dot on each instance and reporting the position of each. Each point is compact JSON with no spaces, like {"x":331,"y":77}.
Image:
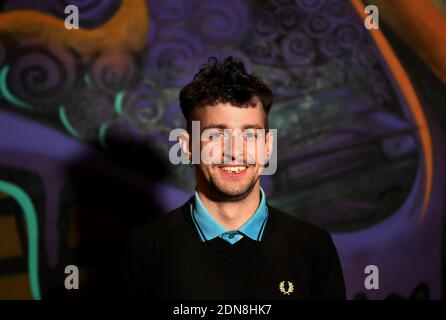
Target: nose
{"x":236,"y":148}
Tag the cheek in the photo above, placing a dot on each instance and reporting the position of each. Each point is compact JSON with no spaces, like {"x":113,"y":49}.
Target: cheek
{"x":210,"y":152}
{"x":253,"y":150}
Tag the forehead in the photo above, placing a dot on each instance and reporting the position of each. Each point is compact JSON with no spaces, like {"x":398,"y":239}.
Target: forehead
{"x":230,"y":116}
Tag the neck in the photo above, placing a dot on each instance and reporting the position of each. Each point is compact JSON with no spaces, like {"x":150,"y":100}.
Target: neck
{"x":232,"y":214}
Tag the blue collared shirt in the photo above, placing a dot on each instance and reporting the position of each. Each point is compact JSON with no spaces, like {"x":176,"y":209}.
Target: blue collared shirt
{"x":209,"y":229}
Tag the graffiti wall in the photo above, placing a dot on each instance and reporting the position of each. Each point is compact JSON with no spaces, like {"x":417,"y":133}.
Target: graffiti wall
{"x":85,"y":116}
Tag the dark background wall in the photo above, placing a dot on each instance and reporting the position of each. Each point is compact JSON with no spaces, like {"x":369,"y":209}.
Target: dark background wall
{"x":85,"y":116}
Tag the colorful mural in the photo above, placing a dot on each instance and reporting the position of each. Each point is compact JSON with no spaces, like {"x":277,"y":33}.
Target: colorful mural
{"x":85,"y":116}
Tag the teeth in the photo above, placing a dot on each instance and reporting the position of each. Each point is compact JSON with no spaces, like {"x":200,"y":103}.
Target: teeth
{"x":234,"y":169}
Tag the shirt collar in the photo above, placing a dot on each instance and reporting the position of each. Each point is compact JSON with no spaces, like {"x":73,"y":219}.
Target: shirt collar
{"x":209,"y":229}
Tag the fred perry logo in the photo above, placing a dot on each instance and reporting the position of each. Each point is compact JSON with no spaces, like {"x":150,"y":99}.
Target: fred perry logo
{"x":290,"y":288}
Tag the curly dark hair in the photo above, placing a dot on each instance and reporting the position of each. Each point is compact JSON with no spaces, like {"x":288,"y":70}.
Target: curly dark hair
{"x":222,"y":82}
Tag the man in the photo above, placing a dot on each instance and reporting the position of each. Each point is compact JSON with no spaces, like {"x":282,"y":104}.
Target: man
{"x":227,"y":242}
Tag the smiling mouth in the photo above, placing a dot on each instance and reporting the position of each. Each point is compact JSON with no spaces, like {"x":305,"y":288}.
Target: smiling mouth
{"x":233,"y":169}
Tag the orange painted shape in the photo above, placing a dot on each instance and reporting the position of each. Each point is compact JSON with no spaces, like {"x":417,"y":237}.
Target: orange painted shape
{"x":3,"y":195}
{"x":421,"y":25}
{"x":9,"y":238}
{"x":15,"y":287}
{"x":126,"y":31}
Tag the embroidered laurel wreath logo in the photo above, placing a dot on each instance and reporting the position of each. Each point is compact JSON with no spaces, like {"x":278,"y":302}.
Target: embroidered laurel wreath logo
{"x":290,"y":287}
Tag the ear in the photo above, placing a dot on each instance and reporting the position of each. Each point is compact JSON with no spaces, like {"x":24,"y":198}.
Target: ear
{"x":269,"y":142}
{"x":185,"y":144}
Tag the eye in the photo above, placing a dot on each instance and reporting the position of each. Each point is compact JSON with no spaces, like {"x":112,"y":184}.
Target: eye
{"x":216,"y":134}
{"x":250,"y":135}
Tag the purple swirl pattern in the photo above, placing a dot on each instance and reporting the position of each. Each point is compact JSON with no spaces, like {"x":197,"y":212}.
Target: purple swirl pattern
{"x":113,"y":72}
{"x":318,"y":25}
{"x":330,"y":46}
{"x":288,"y":19}
{"x":87,"y":111}
{"x":366,"y":56}
{"x":92,"y":13}
{"x":170,"y":10}
{"x":339,"y":10}
{"x":281,"y":83}
{"x":141,"y":104}
{"x":221,"y":22}
{"x":310,"y":5}
{"x":297,"y":49}
{"x":265,"y":26}
{"x":349,"y":36}
{"x":262,"y":51}
{"x":172,"y":60}
{"x":41,"y":77}
{"x":38,"y":5}
{"x":305,"y":78}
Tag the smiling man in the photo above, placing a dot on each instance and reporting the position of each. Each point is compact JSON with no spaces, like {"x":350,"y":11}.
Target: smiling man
{"x":226,"y":241}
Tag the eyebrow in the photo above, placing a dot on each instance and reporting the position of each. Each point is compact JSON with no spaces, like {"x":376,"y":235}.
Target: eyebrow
{"x":244,"y":127}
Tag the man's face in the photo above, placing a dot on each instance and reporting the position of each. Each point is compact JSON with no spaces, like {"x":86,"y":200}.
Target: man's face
{"x":234,"y":164}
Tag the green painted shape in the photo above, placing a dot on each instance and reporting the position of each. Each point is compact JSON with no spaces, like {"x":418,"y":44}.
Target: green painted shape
{"x":33,"y":233}
{"x":7,"y":94}
{"x":118,"y":102}
{"x":102,"y":132}
{"x":66,"y":123}
{"x":87,"y":80}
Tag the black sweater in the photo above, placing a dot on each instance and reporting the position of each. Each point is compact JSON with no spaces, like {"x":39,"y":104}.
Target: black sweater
{"x":167,"y":260}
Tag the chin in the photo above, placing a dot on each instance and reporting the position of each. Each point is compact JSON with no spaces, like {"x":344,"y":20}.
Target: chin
{"x":236,"y":193}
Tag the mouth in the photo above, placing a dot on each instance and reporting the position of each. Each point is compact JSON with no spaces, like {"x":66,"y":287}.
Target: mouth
{"x":233,"y":171}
